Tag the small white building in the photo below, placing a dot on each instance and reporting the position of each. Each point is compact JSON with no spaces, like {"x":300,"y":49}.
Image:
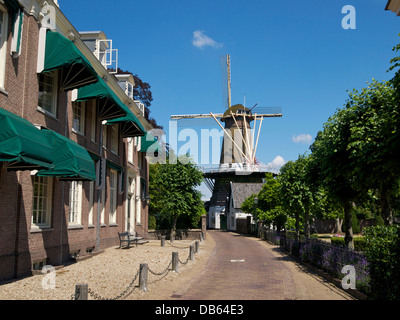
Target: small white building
{"x":239,"y":191}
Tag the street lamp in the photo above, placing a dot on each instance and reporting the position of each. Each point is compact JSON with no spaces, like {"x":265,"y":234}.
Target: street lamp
{"x":148,"y":199}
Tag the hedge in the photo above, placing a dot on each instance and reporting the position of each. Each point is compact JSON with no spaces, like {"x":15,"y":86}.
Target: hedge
{"x":359,"y":242}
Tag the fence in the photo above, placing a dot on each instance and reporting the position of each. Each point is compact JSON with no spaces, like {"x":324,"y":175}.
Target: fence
{"x":82,"y":291}
{"x":323,"y":255}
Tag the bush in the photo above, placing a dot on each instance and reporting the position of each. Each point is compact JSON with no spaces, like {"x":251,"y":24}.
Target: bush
{"x":359,"y":243}
{"x":383,"y":253}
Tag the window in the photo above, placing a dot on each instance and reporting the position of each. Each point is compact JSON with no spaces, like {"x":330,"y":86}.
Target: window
{"x":78,"y":122}
{"x":91,"y":203}
{"x":138,"y":201}
{"x":48,"y":92}
{"x":113,"y":195}
{"x":93,"y":122}
{"x":114,"y":138}
{"x":103,"y":201}
{"x":39,"y":265}
{"x":3,"y":44}
{"x":75,"y":203}
{"x":42,"y":195}
{"x":130,"y":149}
{"x":104,"y":137}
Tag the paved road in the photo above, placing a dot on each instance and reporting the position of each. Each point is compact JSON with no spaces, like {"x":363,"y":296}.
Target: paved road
{"x":241,"y":268}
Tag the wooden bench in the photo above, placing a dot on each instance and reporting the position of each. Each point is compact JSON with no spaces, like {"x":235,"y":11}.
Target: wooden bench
{"x":127,"y":238}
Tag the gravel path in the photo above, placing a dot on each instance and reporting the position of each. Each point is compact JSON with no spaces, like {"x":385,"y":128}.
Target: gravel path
{"x":110,"y":273}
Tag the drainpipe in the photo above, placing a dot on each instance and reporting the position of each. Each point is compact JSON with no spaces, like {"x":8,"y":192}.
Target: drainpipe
{"x":99,"y":189}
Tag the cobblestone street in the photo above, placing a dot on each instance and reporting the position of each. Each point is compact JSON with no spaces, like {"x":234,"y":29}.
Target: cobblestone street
{"x":244,"y":268}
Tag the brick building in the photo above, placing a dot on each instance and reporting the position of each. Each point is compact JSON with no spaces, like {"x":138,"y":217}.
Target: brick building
{"x":72,"y":170}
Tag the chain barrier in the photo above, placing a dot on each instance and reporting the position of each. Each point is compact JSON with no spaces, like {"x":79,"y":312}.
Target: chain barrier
{"x":160,"y":273}
{"x":179,"y":247}
{"x":124,"y":294}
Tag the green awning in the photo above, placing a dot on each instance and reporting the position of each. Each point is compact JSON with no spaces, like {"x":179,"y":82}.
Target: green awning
{"x":148,"y":142}
{"x":129,"y":126}
{"x":109,"y":105}
{"x":22,"y":145}
{"x":71,"y":161}
{"x":62,"y":54}
{"x":112,"y":109}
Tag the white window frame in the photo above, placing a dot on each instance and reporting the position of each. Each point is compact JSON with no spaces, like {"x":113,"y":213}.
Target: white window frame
{"x":75,"y":204}
{"x":42,"y":185}
{"x":104,"y":137}
{"x":79,"y":117}
{"x":50,"y":109}
{"x":91,"y":204}
{"x":138,"y":201}
{"x":3,"y":46}
{"x":114,"y":138}
{"x":130,"y":149}
{"x":113,"y":196}
{"x":93,"y":121}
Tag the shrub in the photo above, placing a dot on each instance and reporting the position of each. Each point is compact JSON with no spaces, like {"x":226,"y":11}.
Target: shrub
{"x":359,"y":242}
{"x":383,"y":253}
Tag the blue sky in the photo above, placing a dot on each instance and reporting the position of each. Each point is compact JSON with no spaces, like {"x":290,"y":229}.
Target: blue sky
{"x":293,"y":54}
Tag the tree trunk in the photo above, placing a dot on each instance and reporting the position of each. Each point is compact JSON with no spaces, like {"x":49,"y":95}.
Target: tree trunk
{"x":297,"y":217}
{"x":386,"y":210}
{"x":348,"y":228}
{"x":307,"y":223}
{"x":338,"y":225}
{"x":173,"y":230}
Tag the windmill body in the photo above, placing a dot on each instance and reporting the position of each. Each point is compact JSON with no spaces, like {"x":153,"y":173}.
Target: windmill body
{"x":238,"y":162}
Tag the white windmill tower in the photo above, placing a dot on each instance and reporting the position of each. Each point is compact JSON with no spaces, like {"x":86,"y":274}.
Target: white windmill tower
{"x":239,"y":145}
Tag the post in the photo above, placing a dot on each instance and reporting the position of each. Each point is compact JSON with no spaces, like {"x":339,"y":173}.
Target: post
{"x":175,"y":262}
{"x":201,"y":237}
{"x":162,"y":241}
{"x":196,"y":247}
{"x":143,"y":276}
{"x":81,"y":292}
{"x":204,"y":226}
{"x":192,"y":252}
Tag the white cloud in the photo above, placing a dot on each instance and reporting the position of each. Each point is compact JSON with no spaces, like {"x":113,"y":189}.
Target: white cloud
{"x":277,"y":163}
{"x":201,"y":40}
{"x":302,"y":138}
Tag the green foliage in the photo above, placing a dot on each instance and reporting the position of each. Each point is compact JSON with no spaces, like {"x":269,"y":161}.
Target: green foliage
{"x":359,"y":243}
{"x":269,"y":207}
{"x":383,"y":253}
{"x":173,"y":193}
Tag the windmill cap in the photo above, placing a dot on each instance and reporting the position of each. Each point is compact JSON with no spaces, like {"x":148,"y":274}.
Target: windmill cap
{"x":234,"y":109}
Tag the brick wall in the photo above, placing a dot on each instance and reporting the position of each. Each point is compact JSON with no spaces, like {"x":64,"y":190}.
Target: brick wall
{"x":20,"y":245}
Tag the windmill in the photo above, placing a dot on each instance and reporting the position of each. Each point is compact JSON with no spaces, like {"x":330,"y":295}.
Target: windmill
{"x":239,"y":146}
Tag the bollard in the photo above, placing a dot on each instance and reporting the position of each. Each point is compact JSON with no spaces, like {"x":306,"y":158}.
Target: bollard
{"x":175,"y":262}
{"x":196,"y":247}
{"x":81,"y":292}
{"x":201,"y":237}
{"x":191,"y":252}
{"x":162,"y":241}
{"x":143,"y":276}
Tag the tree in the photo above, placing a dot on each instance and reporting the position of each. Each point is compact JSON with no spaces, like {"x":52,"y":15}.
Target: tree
{"x":330,"y":165}
{"x":374,"y":142}
{"x":269,"y":207}
{"x":172,"y":189}
{"x":296,"y":194}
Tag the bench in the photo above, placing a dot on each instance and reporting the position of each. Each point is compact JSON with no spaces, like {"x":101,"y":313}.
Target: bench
{"x":127,"y":238}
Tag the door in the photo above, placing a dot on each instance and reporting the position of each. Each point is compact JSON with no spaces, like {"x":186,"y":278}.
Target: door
{"x":223,"y":222}
{"x":130,"y":205}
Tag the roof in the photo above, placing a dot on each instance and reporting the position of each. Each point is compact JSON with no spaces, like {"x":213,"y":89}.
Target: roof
{"x":393,"y":5}
{"x":241,"y":191}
